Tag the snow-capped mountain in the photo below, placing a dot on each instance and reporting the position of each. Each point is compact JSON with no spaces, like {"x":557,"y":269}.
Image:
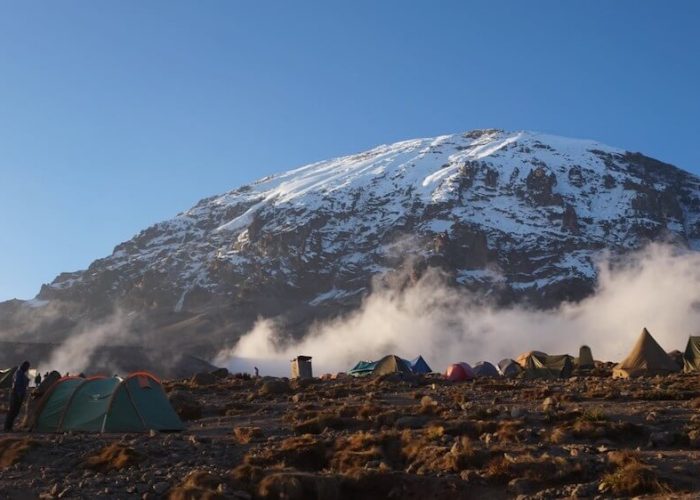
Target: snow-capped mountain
{"x":515,"y":215}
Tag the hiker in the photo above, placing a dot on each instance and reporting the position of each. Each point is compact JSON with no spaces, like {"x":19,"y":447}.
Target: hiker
{"x":19,"y":390}
{"x":37,"y":379}
{"x":257,"y":373}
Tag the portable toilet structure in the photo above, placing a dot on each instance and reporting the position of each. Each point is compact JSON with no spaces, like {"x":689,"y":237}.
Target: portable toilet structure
{"x":301,"y":367}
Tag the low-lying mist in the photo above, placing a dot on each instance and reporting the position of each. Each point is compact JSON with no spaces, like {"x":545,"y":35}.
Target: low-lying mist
{"x":657,"y":288}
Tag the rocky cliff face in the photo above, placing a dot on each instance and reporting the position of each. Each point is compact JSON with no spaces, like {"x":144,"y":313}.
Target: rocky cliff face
{"x":515,"y":216}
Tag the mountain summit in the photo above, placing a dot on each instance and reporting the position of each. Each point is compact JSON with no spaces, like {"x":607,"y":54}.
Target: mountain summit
{"x":516,"y":216}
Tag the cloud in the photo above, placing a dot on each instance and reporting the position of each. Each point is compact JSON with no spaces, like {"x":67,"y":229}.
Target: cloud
{"x":76,"y":353}
{"x":657,"y":288}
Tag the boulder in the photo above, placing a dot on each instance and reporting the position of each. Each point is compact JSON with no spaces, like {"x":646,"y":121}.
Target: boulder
{"x":203,"y":379}
{"x":220,"y":373}
{"x":185,"y":405}
{"x":273,"y":387}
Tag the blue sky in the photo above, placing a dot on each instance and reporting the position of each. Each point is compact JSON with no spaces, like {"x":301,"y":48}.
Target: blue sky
{"x":115,"y":115}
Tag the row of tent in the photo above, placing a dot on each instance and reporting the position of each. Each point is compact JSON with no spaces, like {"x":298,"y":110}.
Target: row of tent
{"x":646,"y":358}
{"x":390,"y":364}
{"x":136,"y":403}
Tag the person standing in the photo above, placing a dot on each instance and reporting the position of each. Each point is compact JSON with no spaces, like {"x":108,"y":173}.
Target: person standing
{"x":20,"y":382}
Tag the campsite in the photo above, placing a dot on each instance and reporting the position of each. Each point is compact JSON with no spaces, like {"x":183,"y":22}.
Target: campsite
{"x":535,"y":426}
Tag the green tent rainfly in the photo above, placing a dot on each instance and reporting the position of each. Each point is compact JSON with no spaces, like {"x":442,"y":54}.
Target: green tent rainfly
{"x":99,"y":404}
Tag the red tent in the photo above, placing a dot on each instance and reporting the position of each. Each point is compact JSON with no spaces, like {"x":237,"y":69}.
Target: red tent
{"x":459,"y":372}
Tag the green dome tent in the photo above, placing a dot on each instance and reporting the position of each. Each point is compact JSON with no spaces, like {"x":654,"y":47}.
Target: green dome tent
{"x":99,"y":404}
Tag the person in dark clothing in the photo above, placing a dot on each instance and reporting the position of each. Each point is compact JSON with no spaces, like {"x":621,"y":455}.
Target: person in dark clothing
{"x":20,"y":382}
{"x":37,"y":379}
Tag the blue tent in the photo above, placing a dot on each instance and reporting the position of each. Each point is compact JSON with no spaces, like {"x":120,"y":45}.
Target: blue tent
{"x":362,"y":368}
{"x":419,"y":365}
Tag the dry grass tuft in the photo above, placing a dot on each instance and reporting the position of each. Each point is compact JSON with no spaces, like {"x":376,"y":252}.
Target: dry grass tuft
{"x":115,"y":456}
{"x":199,"y":485}
{"x":298,"y":486}
{"x":360,"y":448}
{"x":545,"y":469}
{"x":13,"y":449}
{"x":633,"y":478}
{"x":245,"y":435}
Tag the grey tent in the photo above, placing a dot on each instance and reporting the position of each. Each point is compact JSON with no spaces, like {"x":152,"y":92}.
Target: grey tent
{"x":509,"y":368}
{"x":691,"y":356}
{"x":677,"y":357}
{"x":484,"y":369}
{"x":646,"y":359}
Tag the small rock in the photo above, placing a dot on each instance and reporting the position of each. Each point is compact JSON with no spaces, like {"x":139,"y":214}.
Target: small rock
{"x":469,"y":475}
{"x":694,"y":438}
{"x":161,"y":487}
{"x":520,"y":486}
{"x":663,"y":438}
{"x":517,"y":412}
{"x":549,"y":404}
{"x":583,"y":490}
{"x":410,"y":422}
{"x":274,"y":387}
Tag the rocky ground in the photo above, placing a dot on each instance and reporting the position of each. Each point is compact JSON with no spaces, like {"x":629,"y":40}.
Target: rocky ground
{"x":387,"y":437}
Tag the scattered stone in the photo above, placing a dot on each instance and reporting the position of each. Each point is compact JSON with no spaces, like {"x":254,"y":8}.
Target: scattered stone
{"x":661,"y":439}
{"x":517,"y":412}
{"x":161,"y":487}
{"x":411,"y":422}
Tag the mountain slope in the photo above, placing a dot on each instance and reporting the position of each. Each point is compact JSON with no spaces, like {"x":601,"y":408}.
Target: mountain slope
{"x":516,"y":216}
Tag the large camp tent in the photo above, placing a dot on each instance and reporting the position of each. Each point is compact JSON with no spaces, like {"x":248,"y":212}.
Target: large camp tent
{"x":691,"y":356}
{"x":537,"y":364}
{"x":484,"y":369}
{"x":388,"y":364}
{"x":509,"y":368}
{"x":6,"y":377}
{"x":100,"y":404}
{"x":646,"y":359}
{"x":391,"y":364}
{"x":418,"y":365}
